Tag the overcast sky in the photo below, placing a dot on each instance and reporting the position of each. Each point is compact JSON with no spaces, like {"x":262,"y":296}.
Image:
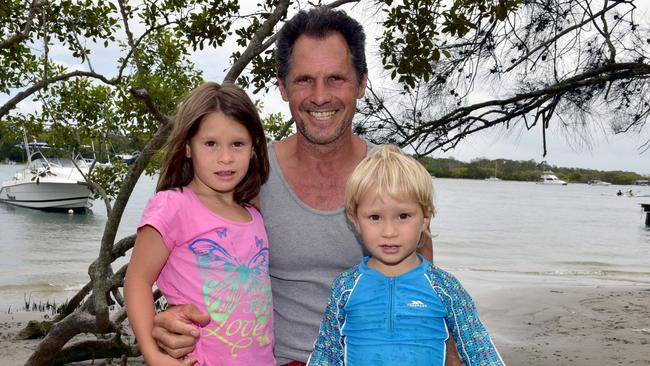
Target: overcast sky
{"x":604,"y":151}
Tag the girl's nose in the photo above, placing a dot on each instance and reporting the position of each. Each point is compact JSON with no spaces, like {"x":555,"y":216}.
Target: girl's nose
{"x":225,"y":155}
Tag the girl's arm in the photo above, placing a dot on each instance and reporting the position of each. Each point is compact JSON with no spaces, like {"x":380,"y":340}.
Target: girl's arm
{"x":147,"y":259}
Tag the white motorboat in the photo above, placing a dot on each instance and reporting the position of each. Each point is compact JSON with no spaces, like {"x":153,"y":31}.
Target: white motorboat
{"x":549,"y":178}
{"x":48,"y":183}
{"x":597,"y":182}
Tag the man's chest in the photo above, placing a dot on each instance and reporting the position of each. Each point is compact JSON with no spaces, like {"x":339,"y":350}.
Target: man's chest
{"x":319,"y":192}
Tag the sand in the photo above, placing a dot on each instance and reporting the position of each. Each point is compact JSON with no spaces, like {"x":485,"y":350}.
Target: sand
{"x":530,"y":325}
{"x":579,"y":326}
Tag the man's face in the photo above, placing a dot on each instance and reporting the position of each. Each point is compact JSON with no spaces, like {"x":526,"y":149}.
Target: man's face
{"x":322,"y":88}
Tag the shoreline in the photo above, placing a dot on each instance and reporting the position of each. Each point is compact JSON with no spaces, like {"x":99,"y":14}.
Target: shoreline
{"x":533,"y":325}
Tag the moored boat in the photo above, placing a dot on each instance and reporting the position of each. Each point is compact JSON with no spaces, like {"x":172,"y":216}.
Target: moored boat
{"x":597,"y":182}
{"x":549,"y":178}
{"x":49,"y":184}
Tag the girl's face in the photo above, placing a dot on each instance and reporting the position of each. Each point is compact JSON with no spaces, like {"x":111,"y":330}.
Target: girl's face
{"x":220,"y":151}
{"x":391,"y":228}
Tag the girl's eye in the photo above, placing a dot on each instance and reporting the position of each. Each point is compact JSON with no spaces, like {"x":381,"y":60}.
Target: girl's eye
{"x":210,"y":143}
{"x":238,"y":144}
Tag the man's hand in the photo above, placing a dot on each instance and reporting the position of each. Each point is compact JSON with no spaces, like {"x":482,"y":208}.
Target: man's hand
{"x":452,"y":353}
{"x":175,"y":330}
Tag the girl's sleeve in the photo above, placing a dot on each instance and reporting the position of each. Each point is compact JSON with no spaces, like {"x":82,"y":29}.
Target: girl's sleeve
{"x":161,"y":214}
{"x":328,"y":348}
{"x":474,"y":344}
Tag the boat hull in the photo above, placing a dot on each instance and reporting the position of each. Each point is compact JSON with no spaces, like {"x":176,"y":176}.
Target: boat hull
{"x":46,"y":195}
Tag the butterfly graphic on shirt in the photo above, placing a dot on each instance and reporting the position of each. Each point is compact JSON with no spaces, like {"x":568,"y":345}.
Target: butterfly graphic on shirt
{"x":229,"y":283}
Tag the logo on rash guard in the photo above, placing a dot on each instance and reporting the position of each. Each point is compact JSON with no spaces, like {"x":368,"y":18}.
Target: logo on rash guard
{"x":416,"y":304}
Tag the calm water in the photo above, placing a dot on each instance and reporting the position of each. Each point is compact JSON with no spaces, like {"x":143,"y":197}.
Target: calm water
{"x":576,"y":234}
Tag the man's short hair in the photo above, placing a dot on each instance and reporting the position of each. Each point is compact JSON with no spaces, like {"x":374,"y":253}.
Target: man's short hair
{"x":319,"y":22}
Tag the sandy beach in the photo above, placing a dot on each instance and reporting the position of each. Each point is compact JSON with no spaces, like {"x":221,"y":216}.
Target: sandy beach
{"x":530,"y":325}
{"x":579,"y":326}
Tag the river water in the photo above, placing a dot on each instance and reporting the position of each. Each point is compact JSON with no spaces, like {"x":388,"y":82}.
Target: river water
{"x":484,"y":232}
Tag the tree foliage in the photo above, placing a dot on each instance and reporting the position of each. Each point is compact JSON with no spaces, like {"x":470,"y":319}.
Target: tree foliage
{"x":579,"y":64}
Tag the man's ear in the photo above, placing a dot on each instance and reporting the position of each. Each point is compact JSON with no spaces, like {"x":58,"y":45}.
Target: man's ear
{"x":362,"y":85}
{"x":283,"y":90}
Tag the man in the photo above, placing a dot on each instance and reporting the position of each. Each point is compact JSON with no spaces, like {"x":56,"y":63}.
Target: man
{"x":321,"y":73}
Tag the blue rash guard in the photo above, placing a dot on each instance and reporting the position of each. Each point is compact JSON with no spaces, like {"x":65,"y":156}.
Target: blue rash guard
{"x":372,"y":319}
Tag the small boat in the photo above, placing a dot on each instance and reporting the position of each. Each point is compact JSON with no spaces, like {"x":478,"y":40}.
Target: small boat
{"x":597,"y":182}
{"x":494,"y":178}
{"x":549,"y":178}
{"x":48,"y":184}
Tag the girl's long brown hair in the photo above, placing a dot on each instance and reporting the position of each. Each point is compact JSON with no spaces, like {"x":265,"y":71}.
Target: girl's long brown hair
{"x":231,"y":100}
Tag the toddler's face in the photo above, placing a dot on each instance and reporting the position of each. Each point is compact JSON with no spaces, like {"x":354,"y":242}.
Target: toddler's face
{"x":391,"y":228}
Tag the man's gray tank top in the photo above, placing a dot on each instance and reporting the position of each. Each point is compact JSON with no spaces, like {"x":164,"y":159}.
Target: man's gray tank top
{"x":307,"y":249}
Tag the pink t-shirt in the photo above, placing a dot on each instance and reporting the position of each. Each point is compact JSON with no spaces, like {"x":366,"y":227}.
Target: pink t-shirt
{"x":222,"y":267}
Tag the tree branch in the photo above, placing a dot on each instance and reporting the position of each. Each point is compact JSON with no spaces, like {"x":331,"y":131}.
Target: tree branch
{"x":19,"y":97}
{"x":255,"y":46}
{"x":24,"y":33}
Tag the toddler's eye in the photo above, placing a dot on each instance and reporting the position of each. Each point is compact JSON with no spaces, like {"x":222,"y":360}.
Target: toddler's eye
{"x":373,"y":217}
{"x":404,"y":216}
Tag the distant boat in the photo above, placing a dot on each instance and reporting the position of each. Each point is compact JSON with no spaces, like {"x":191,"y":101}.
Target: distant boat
{"x":494,"y":177}
{"x":597,"y":182}
{"x":548,"y":178}
{"x":49,"y":184}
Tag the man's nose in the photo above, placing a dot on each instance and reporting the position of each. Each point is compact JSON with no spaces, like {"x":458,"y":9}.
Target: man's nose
{"x":321,"y":93}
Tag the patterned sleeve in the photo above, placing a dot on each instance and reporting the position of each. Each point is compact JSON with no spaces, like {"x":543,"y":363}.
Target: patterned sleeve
{"x":472,"y":339}
{"x":329,"y":347}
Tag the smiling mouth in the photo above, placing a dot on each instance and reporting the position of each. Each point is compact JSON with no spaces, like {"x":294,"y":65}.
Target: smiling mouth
{"x":224,"y":173}
{"x":322,"y":115}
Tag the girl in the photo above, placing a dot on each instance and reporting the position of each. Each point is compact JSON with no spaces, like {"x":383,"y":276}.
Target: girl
{"x":201,"y":240}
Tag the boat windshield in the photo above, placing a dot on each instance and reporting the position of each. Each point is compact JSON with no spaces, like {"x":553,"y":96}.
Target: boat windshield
{"x":57,"y":162}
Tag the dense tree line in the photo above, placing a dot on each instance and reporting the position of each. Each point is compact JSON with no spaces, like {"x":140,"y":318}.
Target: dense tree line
{"x":520,"y":170}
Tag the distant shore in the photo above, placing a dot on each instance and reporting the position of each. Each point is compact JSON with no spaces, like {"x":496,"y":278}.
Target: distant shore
{"x":530,"y":325}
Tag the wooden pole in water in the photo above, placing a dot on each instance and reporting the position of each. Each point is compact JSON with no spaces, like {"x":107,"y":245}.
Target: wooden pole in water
{"x":646,"y":209}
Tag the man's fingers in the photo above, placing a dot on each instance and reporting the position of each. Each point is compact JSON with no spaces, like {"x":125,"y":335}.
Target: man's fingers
{"x":195,"y":315}
{"x":189,"y":361}
{"x":180,"y":320}
{"x":176,"y":352}
{"x":175,"y":345}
